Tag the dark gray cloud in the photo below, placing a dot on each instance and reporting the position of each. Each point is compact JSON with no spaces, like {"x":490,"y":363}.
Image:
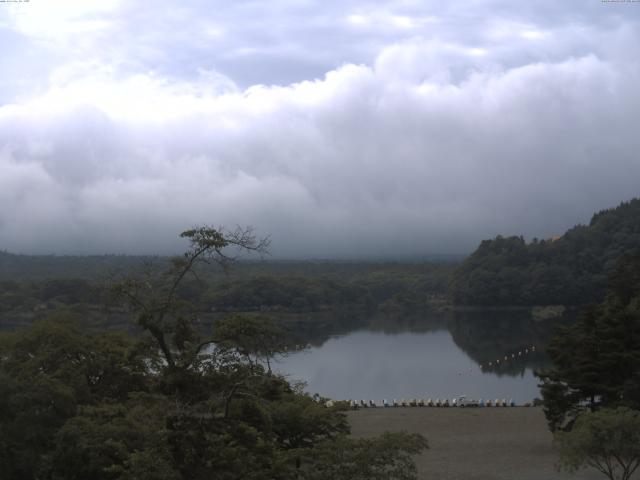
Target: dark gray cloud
{"x":346,"y":128}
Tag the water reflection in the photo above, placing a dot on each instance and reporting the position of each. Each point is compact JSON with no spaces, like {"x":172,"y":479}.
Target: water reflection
{"x":489,"y":337}
{"x":436,"y":356}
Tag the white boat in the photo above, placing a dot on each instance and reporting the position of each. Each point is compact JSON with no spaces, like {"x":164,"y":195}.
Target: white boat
{"x":463,"y":401}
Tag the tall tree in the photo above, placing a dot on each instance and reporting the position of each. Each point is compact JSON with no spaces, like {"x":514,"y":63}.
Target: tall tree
{"x":154,"y":298}
{"x":596,"y":362}
{"x":257,"y":339}
{"x":607,"y":440}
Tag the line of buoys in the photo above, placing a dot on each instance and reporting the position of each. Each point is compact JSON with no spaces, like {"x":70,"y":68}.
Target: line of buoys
{"x":508,"y":357}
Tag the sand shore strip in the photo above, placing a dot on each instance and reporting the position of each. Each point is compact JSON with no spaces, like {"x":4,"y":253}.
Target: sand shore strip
{"x":474,"y":443}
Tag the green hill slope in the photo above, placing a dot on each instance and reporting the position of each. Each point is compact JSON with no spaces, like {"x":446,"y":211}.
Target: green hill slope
{"x":570,"y":270}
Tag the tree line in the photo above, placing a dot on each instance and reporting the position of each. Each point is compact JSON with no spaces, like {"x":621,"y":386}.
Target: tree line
{"x":569,"y":270}
{"x":366,"y":289}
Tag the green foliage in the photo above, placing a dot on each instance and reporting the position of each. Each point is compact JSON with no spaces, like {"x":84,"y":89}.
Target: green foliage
{"x":218,"y":418}
{"x":255,"y":338}
{"x":172,"y":403}
{"x":50,"y":372}
{"x":289,"y":290}
{"x":383,"y":288}
{"x":388,"y":457}
{"x":300,"y":422}
{"x":570,"y":270}
{"x":284,"y":293}
{"x":607,"y":440}
{"x":597,"y":360}
{"x":100,"y":441}
{"x":27,"y":295}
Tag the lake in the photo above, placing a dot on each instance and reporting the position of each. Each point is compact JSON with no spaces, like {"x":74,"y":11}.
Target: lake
{"x":445,"y":358}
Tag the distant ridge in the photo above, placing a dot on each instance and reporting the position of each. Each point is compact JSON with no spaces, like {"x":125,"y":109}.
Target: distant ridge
{"x":36,"y":267}
{"x":18,"y":267}
{"x":571,"y":269}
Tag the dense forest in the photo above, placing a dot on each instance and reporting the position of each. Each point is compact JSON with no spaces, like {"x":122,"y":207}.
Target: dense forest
{"x":569,"y":270}
{"x":288,"y":291}
{"x":173,"y":402}
{"x":596,"y":360}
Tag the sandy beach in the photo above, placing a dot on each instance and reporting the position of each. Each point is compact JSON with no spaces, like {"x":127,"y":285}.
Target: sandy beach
{"x":474,"y":443}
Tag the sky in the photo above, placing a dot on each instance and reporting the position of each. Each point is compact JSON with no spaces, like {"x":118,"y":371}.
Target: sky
{"x":339,"y":129}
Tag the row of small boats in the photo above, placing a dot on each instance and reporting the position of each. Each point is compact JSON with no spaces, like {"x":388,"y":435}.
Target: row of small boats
{"x":428,"y":402}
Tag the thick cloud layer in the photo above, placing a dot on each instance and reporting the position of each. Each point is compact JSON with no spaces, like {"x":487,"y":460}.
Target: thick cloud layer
{"x":420,"y":143}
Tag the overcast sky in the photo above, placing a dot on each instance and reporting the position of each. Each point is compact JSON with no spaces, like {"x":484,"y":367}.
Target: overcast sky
{"x":340,"y":128}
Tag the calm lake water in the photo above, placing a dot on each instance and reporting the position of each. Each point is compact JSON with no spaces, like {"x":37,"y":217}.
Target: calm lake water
{"x":430,"y":357}
{"x":425,"y":361}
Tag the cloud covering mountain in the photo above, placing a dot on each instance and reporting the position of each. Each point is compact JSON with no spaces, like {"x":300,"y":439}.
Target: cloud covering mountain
{"x":339,"y":129}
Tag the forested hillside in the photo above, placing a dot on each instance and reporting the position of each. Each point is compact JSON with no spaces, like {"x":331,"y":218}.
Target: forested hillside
{"x":42,"y":285}
{"x":570,"y":270}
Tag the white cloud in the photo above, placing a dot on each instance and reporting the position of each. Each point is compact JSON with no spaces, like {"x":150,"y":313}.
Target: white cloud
{"x":368,"y":160}
{"x":62,"y":21}
{"x":357,"y":19}
{"x":428,"y":132}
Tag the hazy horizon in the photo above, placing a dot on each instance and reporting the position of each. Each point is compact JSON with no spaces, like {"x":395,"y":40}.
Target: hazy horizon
{"x":252,"y":258}
{"x":343,"y":130}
